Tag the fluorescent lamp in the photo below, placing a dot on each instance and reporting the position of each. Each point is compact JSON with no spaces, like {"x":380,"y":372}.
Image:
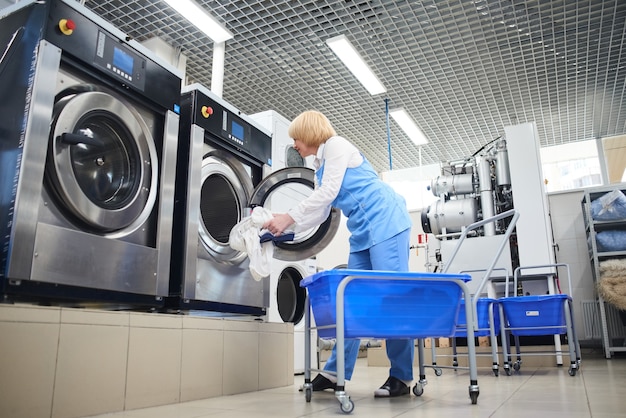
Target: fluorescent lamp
{"x":346,"y":53}
{"x":408,"y":126}
{"x":201,"y":19}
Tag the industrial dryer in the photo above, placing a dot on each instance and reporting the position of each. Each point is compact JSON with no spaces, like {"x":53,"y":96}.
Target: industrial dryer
{"x":223,"y":172}
{"x":87,"y":156}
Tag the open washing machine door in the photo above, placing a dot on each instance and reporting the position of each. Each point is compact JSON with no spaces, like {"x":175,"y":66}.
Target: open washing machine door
{"x":284,"y":189}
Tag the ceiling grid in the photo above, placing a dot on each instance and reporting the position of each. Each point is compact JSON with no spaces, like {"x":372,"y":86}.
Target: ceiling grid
{"x":462,"y":69}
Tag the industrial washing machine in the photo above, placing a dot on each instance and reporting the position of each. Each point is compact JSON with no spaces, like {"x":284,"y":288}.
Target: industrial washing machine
{"x":287,"y":298}
{"x":88,"y":155}
{"x":225,"y":160}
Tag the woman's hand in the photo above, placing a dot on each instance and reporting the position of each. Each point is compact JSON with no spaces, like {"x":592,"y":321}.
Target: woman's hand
{"x":278,"y":223}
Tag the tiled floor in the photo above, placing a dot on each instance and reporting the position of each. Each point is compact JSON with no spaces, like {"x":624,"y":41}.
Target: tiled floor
{"x":598,"y":390}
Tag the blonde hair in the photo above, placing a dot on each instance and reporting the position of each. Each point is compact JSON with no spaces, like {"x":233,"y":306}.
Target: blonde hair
{"x":311,"y":127}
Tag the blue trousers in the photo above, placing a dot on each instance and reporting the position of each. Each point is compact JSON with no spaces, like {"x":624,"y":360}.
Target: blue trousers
{"x":390,"y":255}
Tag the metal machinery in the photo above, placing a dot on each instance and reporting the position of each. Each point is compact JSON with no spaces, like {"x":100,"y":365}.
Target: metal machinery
{"x":483,"y":185}
{"x":224,"y":170}
{"x":287,"y":298}
{"x":88,"y":148}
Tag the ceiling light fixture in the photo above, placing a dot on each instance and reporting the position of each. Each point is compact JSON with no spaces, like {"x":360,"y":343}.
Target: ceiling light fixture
{"x":408,"y":126}
{"x":201,"y":19}
{"x":351,"y":58}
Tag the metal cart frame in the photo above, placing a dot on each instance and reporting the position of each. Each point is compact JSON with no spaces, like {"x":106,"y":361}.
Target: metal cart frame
{"x":493,"y":338}
{"x":346,"y":404}
{"x":573,"y":344}
{"x":475,"y":299}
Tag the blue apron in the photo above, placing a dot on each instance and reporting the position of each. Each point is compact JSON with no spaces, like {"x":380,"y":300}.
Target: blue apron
{"x":374,"y":210}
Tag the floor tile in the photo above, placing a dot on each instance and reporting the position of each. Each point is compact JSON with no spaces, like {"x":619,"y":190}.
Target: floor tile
{"x":596,"y":391}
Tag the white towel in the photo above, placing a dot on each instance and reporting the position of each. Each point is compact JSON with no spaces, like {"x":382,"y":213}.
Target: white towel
{"x":245,"y":237}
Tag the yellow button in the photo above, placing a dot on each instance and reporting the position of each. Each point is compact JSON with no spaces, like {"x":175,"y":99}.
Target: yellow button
{"x":67,"y":26}
{"x":206,"y":111}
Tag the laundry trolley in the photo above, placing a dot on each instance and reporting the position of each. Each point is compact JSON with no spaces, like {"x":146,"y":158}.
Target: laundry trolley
{"x":486,"y":318}
{"x":351,"y":303}
{"x":533,"y":315}
{"x":384,"y":304}
{"x":487,"y":325}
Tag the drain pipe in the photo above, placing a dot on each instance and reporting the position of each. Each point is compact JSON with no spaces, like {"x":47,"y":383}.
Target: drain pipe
{"x":217,"y":75}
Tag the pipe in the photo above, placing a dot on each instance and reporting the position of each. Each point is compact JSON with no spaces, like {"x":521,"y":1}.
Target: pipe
{"x":486,"y":194}
{"x":388,"y":133}
{"x":217,"y":76}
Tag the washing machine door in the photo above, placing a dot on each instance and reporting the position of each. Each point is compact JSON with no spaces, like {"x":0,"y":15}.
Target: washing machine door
{"x":293,"y":157}
{"x":102,"y":162}
{"x":283,"y":190}
{"x":225,"y":189}
{"x":290,"y":296}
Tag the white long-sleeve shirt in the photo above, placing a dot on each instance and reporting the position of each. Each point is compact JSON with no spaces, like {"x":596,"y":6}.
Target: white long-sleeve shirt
{"x":337,"y":154}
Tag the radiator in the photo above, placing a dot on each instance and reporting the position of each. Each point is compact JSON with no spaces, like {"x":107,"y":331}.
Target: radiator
{"x":591,"y":321}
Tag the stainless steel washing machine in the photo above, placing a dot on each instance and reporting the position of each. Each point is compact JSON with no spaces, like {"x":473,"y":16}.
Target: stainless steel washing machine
{"x":224,"y":158}
{"x":90,"y":132}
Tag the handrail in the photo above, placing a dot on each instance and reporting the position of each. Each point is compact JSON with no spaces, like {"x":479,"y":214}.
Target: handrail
{"x":489,"y":270}
{"x":555,"y":265}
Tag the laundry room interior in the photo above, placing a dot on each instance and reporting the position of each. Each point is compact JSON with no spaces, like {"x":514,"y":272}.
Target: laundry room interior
{"x":197,"y":197}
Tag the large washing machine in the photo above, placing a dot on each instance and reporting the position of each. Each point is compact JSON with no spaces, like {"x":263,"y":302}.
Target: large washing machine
{"x":88,"y":159}
{"x":287,"y":298}
{"x":225,"y":157}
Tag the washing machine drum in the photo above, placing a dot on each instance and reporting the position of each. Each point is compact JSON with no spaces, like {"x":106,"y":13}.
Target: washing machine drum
{"x":290,"y":297}
{"x":293,"y":158}
{"x":102,"y":163}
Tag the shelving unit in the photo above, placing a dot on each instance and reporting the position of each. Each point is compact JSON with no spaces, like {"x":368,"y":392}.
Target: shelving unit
{"x":592,"y":228}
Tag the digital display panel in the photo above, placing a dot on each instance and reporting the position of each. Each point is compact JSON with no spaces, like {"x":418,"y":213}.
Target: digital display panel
{"x":237,"y":130}
{"x":122,"y":61}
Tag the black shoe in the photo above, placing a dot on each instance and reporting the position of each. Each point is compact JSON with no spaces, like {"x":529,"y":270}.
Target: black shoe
{"x":321,"y":383}
{"x":391,"y":388}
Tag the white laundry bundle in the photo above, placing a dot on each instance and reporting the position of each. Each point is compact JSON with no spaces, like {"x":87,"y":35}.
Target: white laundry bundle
{"x":245,"y":237}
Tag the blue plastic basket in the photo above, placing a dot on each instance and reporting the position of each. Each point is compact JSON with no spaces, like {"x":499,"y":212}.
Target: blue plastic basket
{"x":386,"y":308}
{"x":482,"y":310}
{"x":544,"y":312}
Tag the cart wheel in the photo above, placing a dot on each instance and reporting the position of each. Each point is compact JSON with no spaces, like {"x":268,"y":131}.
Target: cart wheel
{"x":307,"y":394}
{"x":455,"y":363}
{"x":496,"y":372}
{"x":516,"y":366}
{"x":347,"y":407}
{"x":572,"y":371}
{"x":474,"y":397}
{"x":507,"y":370}
{"x":438,"y":371}
{"x":418,"y":389}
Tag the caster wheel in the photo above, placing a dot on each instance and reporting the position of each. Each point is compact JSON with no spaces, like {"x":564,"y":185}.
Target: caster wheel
{"x":572,"y":371}
{"x":418,"y":390}
{"x":347,"y":407}
{"x":516,"y":366}
{"x":496,"y":373}
{"x":307,"y":394}
{"x":507,"y":370}
{"x":438,"y":371}
{"x":474,"y":397}
{"x":455,"y":363}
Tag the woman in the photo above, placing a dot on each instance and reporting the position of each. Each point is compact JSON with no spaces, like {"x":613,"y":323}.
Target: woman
{"x":377,"y":219}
